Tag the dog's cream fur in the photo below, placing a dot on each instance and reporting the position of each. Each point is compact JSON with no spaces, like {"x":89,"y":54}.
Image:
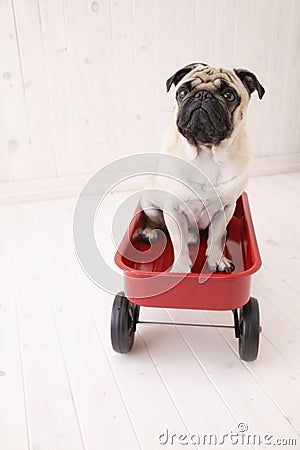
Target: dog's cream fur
{"x":225,"y":170}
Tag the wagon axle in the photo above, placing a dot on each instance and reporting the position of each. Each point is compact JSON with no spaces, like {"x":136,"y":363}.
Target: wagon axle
{"x":179,"y":324}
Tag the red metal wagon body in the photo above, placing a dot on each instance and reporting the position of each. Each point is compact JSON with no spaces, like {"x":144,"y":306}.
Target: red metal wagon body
{"x":221,"y":291}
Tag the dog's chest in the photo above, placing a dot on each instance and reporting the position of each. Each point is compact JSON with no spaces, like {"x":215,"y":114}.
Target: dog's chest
{"x":215,"y":175}
{"x":209,"y":189}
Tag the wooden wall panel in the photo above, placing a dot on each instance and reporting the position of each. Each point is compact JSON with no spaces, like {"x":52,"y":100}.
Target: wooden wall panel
{"x":83,"y":82}
{"x":17,"y":161}
{"x":30,"y":43}
{"x":56,"y":52}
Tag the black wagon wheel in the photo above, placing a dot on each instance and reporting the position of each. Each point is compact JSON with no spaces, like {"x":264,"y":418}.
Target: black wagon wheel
{"x":249,"y":330}
{"x":124,"y":317}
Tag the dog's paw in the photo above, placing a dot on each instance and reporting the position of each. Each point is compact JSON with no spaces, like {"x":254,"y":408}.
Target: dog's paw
{"x":147,"y":235}
{"x":223,"y":265}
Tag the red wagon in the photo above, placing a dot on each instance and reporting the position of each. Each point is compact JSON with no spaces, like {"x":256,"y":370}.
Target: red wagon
{"x":147,"y":282}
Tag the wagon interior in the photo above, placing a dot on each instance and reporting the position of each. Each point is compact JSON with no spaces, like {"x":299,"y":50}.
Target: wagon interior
{"x":144,"y":257}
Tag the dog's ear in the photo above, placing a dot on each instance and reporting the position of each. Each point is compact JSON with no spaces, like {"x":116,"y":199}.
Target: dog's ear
{"x":180,"y":74}
{"x":250,"y":81}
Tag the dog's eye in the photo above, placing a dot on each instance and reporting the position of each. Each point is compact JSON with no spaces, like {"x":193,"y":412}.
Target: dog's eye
{"x":229,"y":96}
{"x":182,"y":93}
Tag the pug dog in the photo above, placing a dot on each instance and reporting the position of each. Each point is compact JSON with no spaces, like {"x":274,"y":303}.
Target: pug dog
{"x":208,"y":130}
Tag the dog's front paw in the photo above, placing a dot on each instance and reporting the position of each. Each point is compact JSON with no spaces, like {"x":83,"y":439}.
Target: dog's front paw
{"x":222,"y":265}
{"x":147,"y":235}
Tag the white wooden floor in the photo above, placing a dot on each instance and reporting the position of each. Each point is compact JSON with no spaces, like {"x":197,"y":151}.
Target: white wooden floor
{"x":63,"y":388}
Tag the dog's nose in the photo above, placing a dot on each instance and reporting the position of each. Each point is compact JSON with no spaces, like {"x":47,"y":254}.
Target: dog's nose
{"x":204,"y":95}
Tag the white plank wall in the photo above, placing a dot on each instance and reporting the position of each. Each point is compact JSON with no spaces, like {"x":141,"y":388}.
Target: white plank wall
{"x":83,"y":82}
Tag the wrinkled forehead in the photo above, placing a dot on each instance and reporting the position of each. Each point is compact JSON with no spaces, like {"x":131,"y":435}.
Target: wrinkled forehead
{"x":212,"y":75}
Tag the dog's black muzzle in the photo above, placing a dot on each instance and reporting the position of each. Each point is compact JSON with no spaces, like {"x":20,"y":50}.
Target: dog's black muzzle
{"x":203,"y":119}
